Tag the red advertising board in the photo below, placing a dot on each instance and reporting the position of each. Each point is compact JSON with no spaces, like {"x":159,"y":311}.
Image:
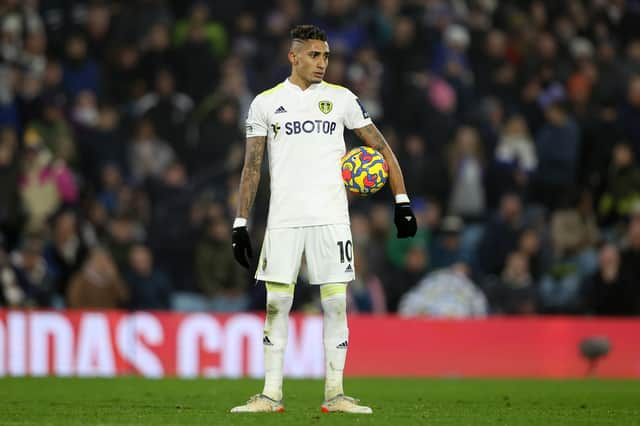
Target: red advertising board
{"x":158,"y":344}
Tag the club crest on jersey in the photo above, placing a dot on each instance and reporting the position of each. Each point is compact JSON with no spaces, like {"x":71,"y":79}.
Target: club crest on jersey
{"x":325,"y":106}
{"x":276,"y":128}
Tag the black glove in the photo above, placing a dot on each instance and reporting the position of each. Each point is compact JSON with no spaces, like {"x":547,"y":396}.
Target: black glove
{"x":405,"y":220}
{"x":241,"y":245}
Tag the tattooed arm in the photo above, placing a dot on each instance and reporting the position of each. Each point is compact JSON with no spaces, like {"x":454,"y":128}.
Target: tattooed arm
{"x":373,"y":138}
{"x":250,"y":178}
{"x":404,"y":218}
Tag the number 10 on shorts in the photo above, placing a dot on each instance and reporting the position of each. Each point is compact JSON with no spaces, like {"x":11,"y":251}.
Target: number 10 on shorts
{"x":346,"y":250}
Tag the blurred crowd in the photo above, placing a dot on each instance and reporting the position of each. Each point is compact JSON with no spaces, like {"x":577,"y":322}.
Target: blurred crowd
{"x":517,"y":125}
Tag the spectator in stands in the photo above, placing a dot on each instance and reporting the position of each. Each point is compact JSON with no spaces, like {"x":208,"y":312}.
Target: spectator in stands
{"x":415,"y":263}
{"x":611,"y":84}
{"x":466,"y":168}
{"x":364,"y":74}
{"x":8,"y":99}
{"x":574,"y":235}
{"x":98,"y":284}
{"x":446,"y":248}
{"x":514,"y":290}
{"x":447,"y":293}
{"x":218,"y":276}
{"x":376,"y":246}
{"x":172,"y":229}
{"x":95,"y":228}
{"x":574,"y":229}
{"x":630,"y":264}
{"x":124,"y":81}
{"x":490,"y":121}
{"x":52,"y":82}
{"x":84,"y":116}
{"x":80,"y":71}
{"x":197,"y":65}
{"x":631,"y":64}
{"x":149,"y":156}
{"x":149,"y":287}
{"x":404,"y":60}
{"x":557,"y":145}
{"x":111,"y":184}
{"x":531,"y":244}
{"x":66,"y":251}
{"x":99,"y":28}
{"x":158,"y":54}
{"x":621,"y":187}
{"x":560,"y":285}
{"x":500,"y":236}
{"x":496,"y":75}
{"x":11,"y":295}
{"x":105,"y":145}
{"x":55,"y":131}
{"x":168,"y":110}
{"x":450,"y":60}
{"x":366,"y":293}
{"x":32,"y":273}
{"x":341,"y":20}
{"x":218,"y":136}
{"x":29,"y":92}
{"x":10,"y":207}
{"x":123,"y":234}
{"x":425,"y":171}
{"x":45,"y":183}
{"x":599,"y":140}
{"x":630,"y":111}
{"x":213,"y":32}
{"x":515,"y":157}
{"x":605,"y":291}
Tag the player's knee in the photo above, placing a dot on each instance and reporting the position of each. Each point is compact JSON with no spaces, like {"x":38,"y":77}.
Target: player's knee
{"x":334,"y":298}
{"x":279,"y":299}
{"x":334,"y":307}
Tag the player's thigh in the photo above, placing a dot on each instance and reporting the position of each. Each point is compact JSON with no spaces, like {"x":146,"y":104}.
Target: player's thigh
{"x":329,"y":254}
{"x":281,"y":255}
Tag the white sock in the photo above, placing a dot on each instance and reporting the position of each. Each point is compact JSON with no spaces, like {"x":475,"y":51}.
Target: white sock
{"x":276,"y":329}
{"x":335,"y":336}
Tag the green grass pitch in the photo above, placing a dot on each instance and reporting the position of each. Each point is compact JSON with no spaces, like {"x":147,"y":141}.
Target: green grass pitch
{"x":136,"y":401}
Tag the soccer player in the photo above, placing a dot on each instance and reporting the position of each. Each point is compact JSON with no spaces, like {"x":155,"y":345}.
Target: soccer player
{"x":302,"y":121}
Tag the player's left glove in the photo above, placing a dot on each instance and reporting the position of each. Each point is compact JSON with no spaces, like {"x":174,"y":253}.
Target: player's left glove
{"x":241,"y":245}
{"x":405,"y":220}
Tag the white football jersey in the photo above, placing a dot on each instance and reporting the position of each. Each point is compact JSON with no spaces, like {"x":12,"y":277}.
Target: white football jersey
{"x":305,"y":142}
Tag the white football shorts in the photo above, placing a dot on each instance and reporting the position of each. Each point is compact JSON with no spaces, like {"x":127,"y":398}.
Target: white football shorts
{"x":328,"y":251}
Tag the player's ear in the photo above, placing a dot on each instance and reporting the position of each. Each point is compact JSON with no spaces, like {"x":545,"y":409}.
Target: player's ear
{"x":292,"y":58}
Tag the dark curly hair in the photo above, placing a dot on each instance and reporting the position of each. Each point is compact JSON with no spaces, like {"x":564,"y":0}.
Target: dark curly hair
{"x":308,"y":32}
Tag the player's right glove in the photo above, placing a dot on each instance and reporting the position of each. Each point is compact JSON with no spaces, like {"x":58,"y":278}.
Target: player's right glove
{"x":241,"y":245}
{"x":405,"y":220}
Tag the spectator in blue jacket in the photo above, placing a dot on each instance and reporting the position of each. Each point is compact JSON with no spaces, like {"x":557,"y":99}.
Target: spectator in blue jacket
{"x":149,"y":287}
{"x":80,"y":71}
{"x":557,"y":145}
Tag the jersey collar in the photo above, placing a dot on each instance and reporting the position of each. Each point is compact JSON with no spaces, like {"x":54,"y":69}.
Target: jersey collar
{"x":292,"y":86}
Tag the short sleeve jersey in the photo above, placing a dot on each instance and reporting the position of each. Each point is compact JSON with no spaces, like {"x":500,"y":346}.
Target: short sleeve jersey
{"x":305,"y":143}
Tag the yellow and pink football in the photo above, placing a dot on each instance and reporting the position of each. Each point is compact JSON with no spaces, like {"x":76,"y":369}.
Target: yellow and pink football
{"x":364,"y":170}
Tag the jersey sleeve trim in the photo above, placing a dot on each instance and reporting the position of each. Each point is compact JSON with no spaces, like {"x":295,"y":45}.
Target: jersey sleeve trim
{"x":335,"y":86}
{"x":256,"y":124}
{"x":273,"y":89}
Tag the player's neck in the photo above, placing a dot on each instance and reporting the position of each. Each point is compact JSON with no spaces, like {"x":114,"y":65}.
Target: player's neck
{"x":300,"y":82}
